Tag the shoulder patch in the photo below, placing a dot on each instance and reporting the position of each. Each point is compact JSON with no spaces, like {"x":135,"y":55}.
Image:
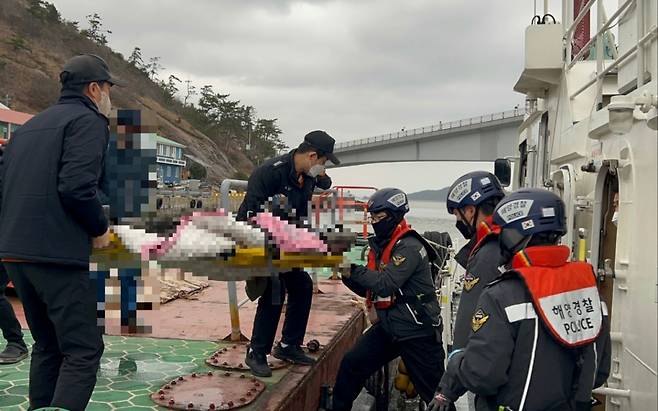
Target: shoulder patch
{"x":398,"y":260}
{"x":422,"y":252}
{"x":470,"y":281}
{"x":479,"y":318}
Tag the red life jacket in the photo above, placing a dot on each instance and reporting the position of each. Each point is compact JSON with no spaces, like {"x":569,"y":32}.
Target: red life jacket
{"x":371,"y":298}
{"x":564,"y":294}
{"x":485,"y":229}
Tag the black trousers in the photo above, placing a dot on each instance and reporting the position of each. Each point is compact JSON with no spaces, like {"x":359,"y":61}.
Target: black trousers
{"x":423,"y":358}
{"x":11,"y":328}
{"x":299,"y":287}
{"x":60,"y":307}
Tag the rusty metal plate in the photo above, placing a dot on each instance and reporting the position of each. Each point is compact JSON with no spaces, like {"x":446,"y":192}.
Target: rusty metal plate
{"x":218,"y":390}
{"x":232,"y":358}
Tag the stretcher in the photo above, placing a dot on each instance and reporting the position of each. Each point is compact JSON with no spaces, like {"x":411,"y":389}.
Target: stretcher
{"x":216,"y":246}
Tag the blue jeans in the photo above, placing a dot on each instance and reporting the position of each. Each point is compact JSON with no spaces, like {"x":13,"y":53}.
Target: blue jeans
{"x":128,"y":282}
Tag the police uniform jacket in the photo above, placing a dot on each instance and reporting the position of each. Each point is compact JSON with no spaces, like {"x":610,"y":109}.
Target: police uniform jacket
{"x":512,"y":360}
{"x":50,"y":208}
{"x":407,"y":274}
{"x":277,"y":176}
{"x":482,"y":268}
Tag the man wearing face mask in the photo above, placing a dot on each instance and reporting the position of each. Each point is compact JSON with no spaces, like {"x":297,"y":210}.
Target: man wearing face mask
{"x":399,"y":283}
{"x":51,"y":218}
{"x":295,"y":176}
{"x":472,"y":199}
{"x":540,"y":336}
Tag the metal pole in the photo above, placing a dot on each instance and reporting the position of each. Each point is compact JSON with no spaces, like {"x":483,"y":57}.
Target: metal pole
{"x":639,"y":17}
{"x":599,"y":52}
{"x":612,"y":392}
{"x":236,"y":334}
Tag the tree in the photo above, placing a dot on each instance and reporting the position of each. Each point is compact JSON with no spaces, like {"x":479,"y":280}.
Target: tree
{"x":191,"y":91}
{"x":95,"y":31}
{"x":136,"y":58}
{"x":267,"y":133}
{"x":211,"y":103}
{"x":170,"y":88}
{"x":44,"y":11}
{"x":153,"y":68}
{"x":197,"y":171}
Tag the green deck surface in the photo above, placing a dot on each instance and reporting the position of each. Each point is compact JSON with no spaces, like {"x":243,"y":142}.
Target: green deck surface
{"x":131,"y":369}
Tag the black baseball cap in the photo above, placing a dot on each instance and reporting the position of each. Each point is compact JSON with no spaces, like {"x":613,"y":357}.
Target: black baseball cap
{"x":87,"y":68}
{"x":323,"y":142}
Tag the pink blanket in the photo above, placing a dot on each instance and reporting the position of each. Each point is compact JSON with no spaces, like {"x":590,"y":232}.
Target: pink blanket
{"x":288,"y":237}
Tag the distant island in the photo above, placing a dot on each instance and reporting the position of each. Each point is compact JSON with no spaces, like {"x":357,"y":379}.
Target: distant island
{"x":430,"y":195}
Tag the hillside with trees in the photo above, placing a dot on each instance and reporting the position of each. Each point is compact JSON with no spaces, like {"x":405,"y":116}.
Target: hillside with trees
{"x":224,"y":134}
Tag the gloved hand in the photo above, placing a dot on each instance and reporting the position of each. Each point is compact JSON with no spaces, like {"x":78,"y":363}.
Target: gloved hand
{"x":345,"y":267}
{"x":440,"y":403}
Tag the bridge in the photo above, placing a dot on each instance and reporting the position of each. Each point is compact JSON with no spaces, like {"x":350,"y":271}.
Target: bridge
{"x":482,"y":138}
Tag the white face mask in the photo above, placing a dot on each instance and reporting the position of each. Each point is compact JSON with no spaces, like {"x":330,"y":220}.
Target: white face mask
{"x":316,"y":170}
{"x":105,"y":105}
{"x":615,"y":217}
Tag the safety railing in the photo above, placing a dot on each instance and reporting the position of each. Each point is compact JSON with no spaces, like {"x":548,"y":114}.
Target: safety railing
{"x":644,"y":35}
{"x":486,"y":118}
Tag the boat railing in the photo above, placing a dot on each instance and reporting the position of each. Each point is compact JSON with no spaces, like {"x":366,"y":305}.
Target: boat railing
{"x":447,"y":125}
{"x":644,"y":35}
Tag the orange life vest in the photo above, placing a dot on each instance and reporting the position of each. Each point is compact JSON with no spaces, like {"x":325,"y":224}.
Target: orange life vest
{"x":484,"y":230}
{"x":564,"y":294}
{"x":371,"y":298}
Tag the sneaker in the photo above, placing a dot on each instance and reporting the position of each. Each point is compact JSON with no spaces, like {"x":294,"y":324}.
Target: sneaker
{"x":257,"y":363}
{"x":293,"y":354}
{"x":13,"y":354}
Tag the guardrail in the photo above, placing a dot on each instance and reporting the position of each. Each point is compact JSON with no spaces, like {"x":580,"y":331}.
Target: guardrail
{"x":486,"y":118}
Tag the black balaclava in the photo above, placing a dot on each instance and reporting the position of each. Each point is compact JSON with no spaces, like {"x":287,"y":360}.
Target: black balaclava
{"x":384,"y":229}
{"x":467,"y":230}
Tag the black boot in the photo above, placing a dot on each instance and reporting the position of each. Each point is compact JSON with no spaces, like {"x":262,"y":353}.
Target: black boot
{"x":12,"y":354}
{"x":293,"y":354}
{"x":257,"y":363}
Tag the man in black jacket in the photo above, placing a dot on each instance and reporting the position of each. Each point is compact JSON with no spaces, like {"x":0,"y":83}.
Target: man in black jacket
{"x":16,"y":349}
{"x":294,"y":175}
{"x":472,"y":199}
{"x":50,"y":218}
{"x":399,"y":284}
{"x":540,"y":336}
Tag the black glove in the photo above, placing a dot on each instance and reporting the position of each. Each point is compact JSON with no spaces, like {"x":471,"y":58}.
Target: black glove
{"x":440,"y":403}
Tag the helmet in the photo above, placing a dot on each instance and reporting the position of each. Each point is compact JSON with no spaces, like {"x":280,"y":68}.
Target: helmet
{"x":531,"y":211}
{"x":473,"y":189}
{"x":527,"y":212}
{"x":392,"y":200}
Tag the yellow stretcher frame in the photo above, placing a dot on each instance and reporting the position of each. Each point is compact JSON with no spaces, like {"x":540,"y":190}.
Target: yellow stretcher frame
{"x":244,"y":258}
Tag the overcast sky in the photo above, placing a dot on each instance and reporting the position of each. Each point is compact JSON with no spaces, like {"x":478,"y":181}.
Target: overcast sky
{"x":355,"y":68}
